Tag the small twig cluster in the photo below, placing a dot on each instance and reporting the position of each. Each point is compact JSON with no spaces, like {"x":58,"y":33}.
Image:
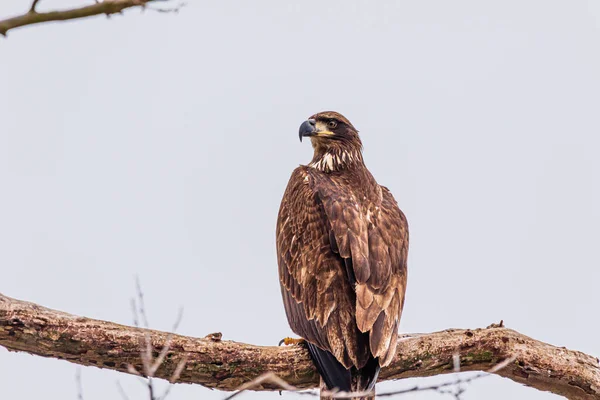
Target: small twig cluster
{"x":150,"y":364}
{"x":441,"y":388}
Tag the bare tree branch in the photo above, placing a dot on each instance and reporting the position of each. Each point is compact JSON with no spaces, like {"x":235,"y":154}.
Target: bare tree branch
{"x":106,"y":7}
{"x":226,"y":365}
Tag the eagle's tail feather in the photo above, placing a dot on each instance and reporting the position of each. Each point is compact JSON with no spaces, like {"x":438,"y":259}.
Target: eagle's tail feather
{"x":366,"y":377}
{"x":331,"y":370}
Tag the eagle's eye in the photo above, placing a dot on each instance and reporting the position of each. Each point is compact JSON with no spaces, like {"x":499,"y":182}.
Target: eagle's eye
{"x":331,"y":124}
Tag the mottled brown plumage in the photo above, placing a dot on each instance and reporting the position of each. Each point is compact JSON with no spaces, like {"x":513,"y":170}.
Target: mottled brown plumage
{"x":342,"y":245}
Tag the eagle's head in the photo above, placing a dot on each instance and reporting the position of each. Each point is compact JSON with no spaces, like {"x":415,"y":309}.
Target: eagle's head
{"x":328,"y":127}
{"x":335,"y":141}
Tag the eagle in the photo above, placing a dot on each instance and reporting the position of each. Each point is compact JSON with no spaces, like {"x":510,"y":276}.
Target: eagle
{"x":342,"y":245}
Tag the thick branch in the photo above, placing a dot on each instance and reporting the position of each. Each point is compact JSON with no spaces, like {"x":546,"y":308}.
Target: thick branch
{"x":107,"y":7}
{"x":226,"y":365}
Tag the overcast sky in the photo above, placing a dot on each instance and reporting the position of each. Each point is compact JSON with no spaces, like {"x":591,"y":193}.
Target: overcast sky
{"x":160,"y":145}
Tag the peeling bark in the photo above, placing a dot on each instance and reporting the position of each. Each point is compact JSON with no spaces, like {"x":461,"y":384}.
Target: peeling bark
{"x":225,"y":365}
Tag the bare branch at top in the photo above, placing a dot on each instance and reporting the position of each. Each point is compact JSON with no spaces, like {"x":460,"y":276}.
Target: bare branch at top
{"x":105,"y":7}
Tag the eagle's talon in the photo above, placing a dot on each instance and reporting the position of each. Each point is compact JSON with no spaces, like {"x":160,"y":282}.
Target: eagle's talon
{"x":288,"y":341}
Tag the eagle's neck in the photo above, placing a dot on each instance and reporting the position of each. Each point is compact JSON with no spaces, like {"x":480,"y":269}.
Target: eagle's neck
{"x":336,"y":159}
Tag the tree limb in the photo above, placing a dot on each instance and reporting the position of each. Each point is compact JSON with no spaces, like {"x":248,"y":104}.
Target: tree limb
{"x":107,"y":7}
{"x":226,"y":365}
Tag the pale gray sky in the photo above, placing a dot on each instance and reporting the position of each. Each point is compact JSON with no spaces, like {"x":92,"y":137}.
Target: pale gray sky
{"x":160,"y":145}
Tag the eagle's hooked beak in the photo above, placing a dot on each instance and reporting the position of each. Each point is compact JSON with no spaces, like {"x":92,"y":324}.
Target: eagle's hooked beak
{"x":307,"y":129}
{"x":313,"y":128}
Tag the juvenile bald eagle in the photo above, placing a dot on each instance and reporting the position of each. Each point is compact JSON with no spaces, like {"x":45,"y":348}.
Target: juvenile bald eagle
{"x":342,"y":244}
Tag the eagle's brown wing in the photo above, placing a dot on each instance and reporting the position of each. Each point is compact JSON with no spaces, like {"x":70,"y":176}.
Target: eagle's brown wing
{"x":388,"y":252}
{"x":338,"y":252}
{"x":371,"y":234}
{"x":318,"y":298}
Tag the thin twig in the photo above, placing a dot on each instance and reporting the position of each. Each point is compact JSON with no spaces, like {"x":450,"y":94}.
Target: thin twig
{"x":33,"y":5}
{"x":458,"y":388}
{"x":494,"y":369}
{"x":165,"y":350}
{"x":142,"y":306}
{"x":151,"y":388}
{"x":150,"y":366}
{"x":271,"y":378}
{"x":177,"y":319}
{"x":136,"y":321}
{"x":146,"y":348}
{"x":174,"y":378}
{"x":122,"y":391}
{"x":131,"y":369}
{"x":268,"y":377}
{"x":79,"y":384}
{"x":161,"y":356}
{"x":175,"y":9}
{"x":178,"y":370}
{"x":146,"y":354}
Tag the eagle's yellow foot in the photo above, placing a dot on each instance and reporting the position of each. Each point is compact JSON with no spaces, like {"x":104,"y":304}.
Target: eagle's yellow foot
{"x":288,"y":341}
